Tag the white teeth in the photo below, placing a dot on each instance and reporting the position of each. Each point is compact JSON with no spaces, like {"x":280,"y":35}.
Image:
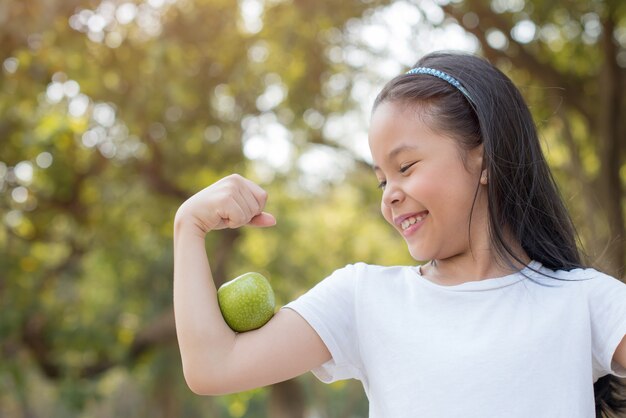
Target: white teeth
{"x":410,"y":221}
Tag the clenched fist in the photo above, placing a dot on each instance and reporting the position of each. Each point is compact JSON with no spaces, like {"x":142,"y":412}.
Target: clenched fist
{"x":231,"y":202}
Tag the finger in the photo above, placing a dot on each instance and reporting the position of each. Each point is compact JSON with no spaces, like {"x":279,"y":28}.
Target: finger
{"x":263,"y":219}
{"x":259,"y":194}
{"x":234,"y":213}
{"x":253,"y":205}
{"x":248,"y":204}
{"x":255,"y":197}
{"x":239,"y":189}
{"x":245,"y":201}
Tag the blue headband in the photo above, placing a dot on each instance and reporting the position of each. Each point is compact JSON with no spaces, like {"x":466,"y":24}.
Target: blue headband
{"x":446,"y":77}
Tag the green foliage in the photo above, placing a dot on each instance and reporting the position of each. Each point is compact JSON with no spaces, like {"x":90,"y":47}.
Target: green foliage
{"x":106,"y":126}
{"x":108,"y":123}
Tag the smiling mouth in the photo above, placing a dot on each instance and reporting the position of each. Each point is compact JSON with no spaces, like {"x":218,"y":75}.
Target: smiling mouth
{"x":413,"y":219}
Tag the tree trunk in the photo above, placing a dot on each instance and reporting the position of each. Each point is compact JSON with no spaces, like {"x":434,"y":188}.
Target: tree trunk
{"x":286,"y":400}
{"x":611,"y":151}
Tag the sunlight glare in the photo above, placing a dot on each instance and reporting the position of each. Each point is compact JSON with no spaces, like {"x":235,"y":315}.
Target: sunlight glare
{"x":321,"y":165}
{"x":20,"y":194}
{"x":269,"y":141}
{"x":54,"y":92}
{"x":24,"y":172}
{"x":104,"y":114}
{"x":10,"y":65}
{"x":524,"y":31}
{"x":44,"y":159}
{"x":125,"y":13}
{"x":78,"y":106}
{"x":251,"y":15}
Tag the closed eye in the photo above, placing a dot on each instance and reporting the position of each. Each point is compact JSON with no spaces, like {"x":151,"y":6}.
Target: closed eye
{"x":404,"y":168}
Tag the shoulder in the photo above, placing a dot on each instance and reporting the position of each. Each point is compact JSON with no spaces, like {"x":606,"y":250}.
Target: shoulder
{"x":361,"y":276}
{"x":589,"y":279}
{"x":573,"y":275}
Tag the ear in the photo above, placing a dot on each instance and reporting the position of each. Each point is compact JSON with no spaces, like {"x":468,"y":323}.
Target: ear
{"x":475,"y":163}
{"x":475,"y":159}
{"x":483,"y":177}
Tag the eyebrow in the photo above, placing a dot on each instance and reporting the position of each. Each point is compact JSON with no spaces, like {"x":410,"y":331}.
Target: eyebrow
{"x":394,"y":152}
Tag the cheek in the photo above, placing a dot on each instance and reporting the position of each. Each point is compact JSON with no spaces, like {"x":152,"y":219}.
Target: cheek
{"x":426,"y":188}
{"x":438,"y":186}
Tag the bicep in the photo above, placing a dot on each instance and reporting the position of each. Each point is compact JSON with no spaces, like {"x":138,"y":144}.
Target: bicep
{"x":620,"y":353}
{"x":286,"y":347}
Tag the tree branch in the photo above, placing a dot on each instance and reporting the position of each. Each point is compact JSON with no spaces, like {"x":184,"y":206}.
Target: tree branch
{"x":519,"y":55}
{"x":151,"y":172}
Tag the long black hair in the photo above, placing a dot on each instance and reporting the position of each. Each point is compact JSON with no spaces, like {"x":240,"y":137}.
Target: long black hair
{"x":523,"y":198}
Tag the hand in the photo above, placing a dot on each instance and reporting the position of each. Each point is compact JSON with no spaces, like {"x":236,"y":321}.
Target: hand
{"x":231,"y":202}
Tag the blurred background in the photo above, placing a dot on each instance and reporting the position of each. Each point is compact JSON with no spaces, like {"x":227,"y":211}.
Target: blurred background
{"x":112,"y":112}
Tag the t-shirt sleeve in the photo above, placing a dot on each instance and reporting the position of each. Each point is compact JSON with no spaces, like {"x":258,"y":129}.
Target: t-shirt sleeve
{"x":607,"y":304}
{"x":329,"y":308}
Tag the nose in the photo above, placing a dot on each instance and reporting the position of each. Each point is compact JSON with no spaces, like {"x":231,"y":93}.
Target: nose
{"x":392,"y":195}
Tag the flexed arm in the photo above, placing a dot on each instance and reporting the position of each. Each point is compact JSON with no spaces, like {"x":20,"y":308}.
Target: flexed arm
{"x":217,"y":360}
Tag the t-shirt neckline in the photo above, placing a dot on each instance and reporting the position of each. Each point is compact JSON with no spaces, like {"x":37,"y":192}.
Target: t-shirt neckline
{"x":485,"y":284}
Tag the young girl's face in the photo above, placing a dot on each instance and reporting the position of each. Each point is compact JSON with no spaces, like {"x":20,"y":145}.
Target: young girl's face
{"x":427,"y":189}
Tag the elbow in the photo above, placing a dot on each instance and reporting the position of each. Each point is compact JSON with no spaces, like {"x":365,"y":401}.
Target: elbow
{"x":198,"y":382}
{"x":203,"y":383}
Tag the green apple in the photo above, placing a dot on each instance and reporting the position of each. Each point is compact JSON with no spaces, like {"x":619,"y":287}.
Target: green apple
{"x":247,"y":302}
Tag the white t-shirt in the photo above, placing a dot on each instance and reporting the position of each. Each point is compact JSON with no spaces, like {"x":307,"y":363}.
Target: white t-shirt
{"x":509,"y":347}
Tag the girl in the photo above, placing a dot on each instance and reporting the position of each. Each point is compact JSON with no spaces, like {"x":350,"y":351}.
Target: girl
{"x":502,"y":321}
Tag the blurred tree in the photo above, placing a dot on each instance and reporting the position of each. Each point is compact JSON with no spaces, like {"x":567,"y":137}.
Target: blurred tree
{"x":112,"y":114}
